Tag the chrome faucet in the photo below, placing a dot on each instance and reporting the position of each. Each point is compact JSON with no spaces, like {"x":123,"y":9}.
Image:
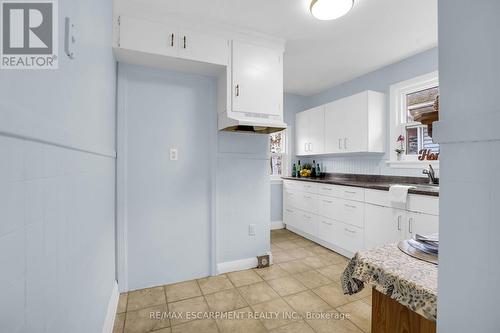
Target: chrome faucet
{"x":431,"y":174}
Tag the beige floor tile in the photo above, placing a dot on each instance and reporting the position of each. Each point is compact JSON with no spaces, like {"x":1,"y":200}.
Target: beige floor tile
{"x":329,"y":325}
{"x":296,"y":327}
{"x":225,"y":300}
{"x":315,"y":262}
{"x":243,"y":278}
{"x":214,"y":284}
{"x":257,"y":293}
{"x":303,"y":242}
{"x":288,"y":245}
{"x":333,"y":272}
{"x":119,"y":323}
{"x":178,"y":291}
{"x":163,"y":330}
{"x":272,"y":272}
{"x":294,"y":267}
{"x":307,"y":301}
{"x":334,"y":258}
{"x":145,"y":298}
{"x":287,"y":286}
{"x":122,"y":303}
{"x":197,"y":326}
{"x":300,"y":253}
{"x":241,"y":324}
{"x":334,"y":295}
{"x":282,"y":256}
{"x":186,"y":308}
{"x":275,"y":247}
{"x":318,"y":249}
{"x":280,"y":310}
{"x":139,"y":321}
{"x":367,"y":300}
{"x":360,"y":314}
{"x":312,"y":279}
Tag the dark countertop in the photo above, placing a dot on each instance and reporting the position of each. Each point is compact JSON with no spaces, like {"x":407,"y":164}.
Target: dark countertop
{"x":375,"y":182}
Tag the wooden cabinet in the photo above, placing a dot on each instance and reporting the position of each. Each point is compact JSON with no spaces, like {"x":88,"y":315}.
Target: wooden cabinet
{"x":310,"y":132}
{"x":157,"y":38}
{"x":355,"y":124}
{"x":257,"y":79}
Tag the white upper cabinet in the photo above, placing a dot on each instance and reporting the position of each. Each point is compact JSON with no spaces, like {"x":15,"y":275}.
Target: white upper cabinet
{"x":257,"y":79}
{"x":356,"y":124}
{"x":157,"y":38}
{"x":204,"y":47}
{"x":161,"y":39}
{"x":310,"y":132}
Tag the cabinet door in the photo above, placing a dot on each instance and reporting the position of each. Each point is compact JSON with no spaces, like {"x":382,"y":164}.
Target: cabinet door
{"x":383,"y":225}
{"x":316,"y":130}
{"x":308,"y":223}
{"x":334,"y":128}
{"x":355,"y":130}
{"x":290,"y":217}
{"x":208,"y":48}
{"x":422,"y":224}
{"x":326,"y":229}
{"x":301,"y":134}
{"x":148,"y":36}
{"x":257,"y":75}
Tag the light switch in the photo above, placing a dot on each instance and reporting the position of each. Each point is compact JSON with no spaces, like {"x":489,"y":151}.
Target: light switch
{"x":174,"y":156}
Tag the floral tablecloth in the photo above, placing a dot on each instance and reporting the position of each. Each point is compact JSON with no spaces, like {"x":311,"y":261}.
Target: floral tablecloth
{"x":411,"y":282}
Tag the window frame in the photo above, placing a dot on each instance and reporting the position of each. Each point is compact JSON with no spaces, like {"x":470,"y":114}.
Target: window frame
{"x":285,"y":156}
{"x":398,"y":117}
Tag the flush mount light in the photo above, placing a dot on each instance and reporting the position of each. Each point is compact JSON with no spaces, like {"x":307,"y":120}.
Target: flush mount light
{"x":330,"y":9}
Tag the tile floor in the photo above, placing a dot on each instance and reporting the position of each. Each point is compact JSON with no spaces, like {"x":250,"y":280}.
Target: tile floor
{"x":305,"y":278}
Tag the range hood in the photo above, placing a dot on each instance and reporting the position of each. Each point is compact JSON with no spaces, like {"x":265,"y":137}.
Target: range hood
{"x":254,"y":123}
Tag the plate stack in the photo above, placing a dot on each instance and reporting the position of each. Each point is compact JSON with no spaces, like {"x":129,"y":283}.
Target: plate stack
{"x":422,"y":247}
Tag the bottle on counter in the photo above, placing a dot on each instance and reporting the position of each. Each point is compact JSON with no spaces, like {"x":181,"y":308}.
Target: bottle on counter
{"x":318,"y":171}
{"x":313,"y":169}
{"x":294,"y":170}
{"x":298,"y":169}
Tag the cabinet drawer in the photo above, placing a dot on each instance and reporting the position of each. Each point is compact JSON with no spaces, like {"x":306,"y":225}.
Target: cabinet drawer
{"x":308,"y":223}
{"x":329,"y":190}
{"x":351,"y":212}
{"x":352,"y":193}
{"x":291,"y":198}
{"x":308,"y":202}
{"x":326,"y":229}
{"x":423,"y":204}
{"x":290,"y":217}
{"x":349,"y":237}
{"x":308,"y":187}
{"x":291,"y":184}
{"x":329,"y":207}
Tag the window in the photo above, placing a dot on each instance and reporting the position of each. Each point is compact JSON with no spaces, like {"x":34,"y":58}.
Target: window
{"x":278,"y":159}
{"x":411,"y":101}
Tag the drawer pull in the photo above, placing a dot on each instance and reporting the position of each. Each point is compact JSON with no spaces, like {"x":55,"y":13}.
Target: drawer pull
{"x":349,"y":192}
{"x":350,"y":231}
{"x":327,"y":223}
{"x":289,"y":210}
{"x":328,"y":201}
{"x":350,"y":206}
{"x":307,"y":217}
{"x":307,"y":197}
{"x":410,"y":225}
{"x":327,"y":189}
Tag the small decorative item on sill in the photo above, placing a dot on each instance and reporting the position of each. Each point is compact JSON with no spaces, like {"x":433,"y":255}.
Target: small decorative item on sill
{"x":400,"y":151}
{"x":427,"y":155}
{"x":263,"y":261}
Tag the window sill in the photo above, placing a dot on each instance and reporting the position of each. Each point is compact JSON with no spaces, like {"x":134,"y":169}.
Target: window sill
{"x":413,"y":164}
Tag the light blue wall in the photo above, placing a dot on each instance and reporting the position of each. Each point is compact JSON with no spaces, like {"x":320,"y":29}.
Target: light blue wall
{"x":470,"y":183}
{"x":379,"y":80}
{"x":168,"y":202}
{"x":57,"y":243}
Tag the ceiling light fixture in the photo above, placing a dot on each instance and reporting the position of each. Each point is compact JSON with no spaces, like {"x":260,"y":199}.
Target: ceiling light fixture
{"x":330,"y":9}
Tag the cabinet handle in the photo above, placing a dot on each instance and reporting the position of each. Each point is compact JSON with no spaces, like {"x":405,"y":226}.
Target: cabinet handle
{"x":305,"y":147}
{"x":172,"y":40}
{"x":289,"y":210}
{"x":340,"y":144}
{"x":349,"y":192}
{"x":237,"y":90}
{"x":345,"y":143}
{"x":399,"y":223}
{"x":310,"y":147}
{"x":350,"y":231}
{"x":350,"y":206}
{"x":307,"y":217}
{"x":184,"y":41}
{"x":327,"y":189}
{"x":327,"y":223}
{"x":410,"y":225}
{"x":328,"y":201}
{"x":307,"y":197}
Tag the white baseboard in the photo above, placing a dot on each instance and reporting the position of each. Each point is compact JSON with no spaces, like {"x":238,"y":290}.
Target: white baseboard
{"x":109,"y":322}
{"x":277,"y":225}
{"x":240,"y":265}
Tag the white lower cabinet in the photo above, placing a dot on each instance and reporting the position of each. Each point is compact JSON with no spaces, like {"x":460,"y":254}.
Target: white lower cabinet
{"x":349,"y":219}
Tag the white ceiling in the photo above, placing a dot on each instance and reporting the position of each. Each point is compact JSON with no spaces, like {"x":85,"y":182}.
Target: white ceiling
{"x":319,"y":54}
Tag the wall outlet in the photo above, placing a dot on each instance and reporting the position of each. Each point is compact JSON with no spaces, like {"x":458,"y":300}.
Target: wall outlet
{"x":251,"y":229}
{"x":174,"y":156}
